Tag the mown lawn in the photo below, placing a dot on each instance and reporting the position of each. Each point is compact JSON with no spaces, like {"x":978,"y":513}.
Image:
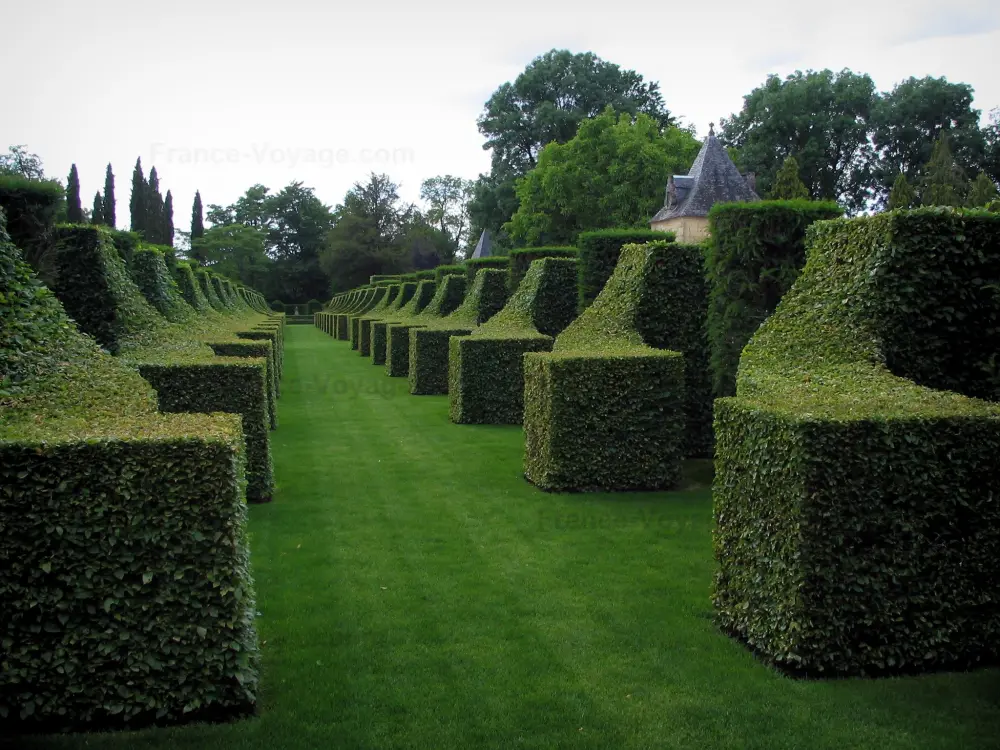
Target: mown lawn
{"x":416,"y":592}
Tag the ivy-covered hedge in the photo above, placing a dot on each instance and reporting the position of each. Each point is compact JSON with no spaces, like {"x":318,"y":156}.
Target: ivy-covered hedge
{"x":126,"y":243}
{"x":378,"y":326}
{"x":262,"y":349}
{"x":397,"y":336}
{"x":599,"y":252}
{"x":484,"y":371}
{"x":605,"y":409}
{"x":117,"y":608}
{"x":31,"y":208}
{"x":149,"y":271}
{"x":755,"y":253}
{"x":475,"y":265}
{"x":441,"y":271}
{"x":189,"y":288}
{"x":857,"y":526}
{"x":204,"y":277}
{"x":522,"y":258}
{"x":376,"y":313}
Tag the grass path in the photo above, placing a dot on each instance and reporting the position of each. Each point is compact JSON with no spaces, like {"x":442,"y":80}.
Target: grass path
{"x":416,"y":592}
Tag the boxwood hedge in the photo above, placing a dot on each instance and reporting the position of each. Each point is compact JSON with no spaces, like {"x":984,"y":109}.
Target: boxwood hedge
{"x":598,"y":253}
{"x":378,"y":326}
{"x":755,"y":253}
{"x":117,"y":608}
{"x":397,"y":327}
{"x":605,"y":409}
{"x":521,"y":259}
{"x":485,"y":371}
{"x":857,"y":527}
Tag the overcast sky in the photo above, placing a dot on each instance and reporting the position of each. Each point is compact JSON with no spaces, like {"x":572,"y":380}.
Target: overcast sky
{"x":220,"y":94}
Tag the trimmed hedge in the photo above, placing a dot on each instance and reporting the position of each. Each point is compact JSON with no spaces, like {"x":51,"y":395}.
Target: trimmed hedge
{"x":149,"y":271}
{"x":376,"y":313}
{"x":126,"y":243}
{"x":426,"y":275}
{"x":378,"y":327}
{"x":604,"y":410}
{"x":263,"y":349}
{"x":857,"y":527}
{"x":204,"y":277}
{"x":406,"y":277}
{"x":189,"y":288}
{"x":441,"y":271}
{"x":353,"y":320}
{"x":522,"y":258}
{"x":755,"y":253}
{"x":117,"y":608}
{"x":474,"y":265}
{"x":599,"y":252}
{"x":484,"y":371}
{"x":391,"y":277}
{"x":397,"y":337}
{"x":31,"y":208}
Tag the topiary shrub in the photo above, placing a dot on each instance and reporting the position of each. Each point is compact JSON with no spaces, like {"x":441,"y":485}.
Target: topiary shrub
{"x":31,"y":208}
{"x":522,"y":258}
{"x":857,"y":528}
{"x":755,"y":253}
{"x":448,"y":270}
{"x":426,"y":275}
{"x":314,"y":306}
{"x":149,"y":271}
{"x":599,"y":252}
{"x":605,"y":409}
{"x":99,"y":572}
{"x":474,"y":265}
{"x":484,"y":372}
{"x":189,"y":289}
{"x":409,"y":277}
{"x":378,"y":326}
{"x":375,"y":313}
{"x":343,"y":320}
{"x":278,"y":306}
{"x":354,"y":318}
{"x":263,"y":349}
{"x":390,"y":277}
{"x":397,"y":327}
{"x":126,"y":243}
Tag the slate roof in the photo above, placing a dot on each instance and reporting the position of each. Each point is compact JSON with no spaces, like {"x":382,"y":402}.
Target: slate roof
{"x":484,"y":248}
{"x":713,"y":179}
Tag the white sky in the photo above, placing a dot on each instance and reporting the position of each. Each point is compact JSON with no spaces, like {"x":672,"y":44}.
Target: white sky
{"x":222,"y":94}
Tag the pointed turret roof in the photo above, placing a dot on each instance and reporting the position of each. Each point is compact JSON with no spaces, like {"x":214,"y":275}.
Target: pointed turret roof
{"x":484,"y":248}
{"x":713,"y":179}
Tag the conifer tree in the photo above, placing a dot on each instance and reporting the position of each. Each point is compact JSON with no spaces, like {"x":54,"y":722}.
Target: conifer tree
{"x":787,"y":183}
{"x":154,"y":209}
{"x":944,"y":182}
{"x":74,"y":209}
{"x":137,"y":203}
{"x":902,"y":195}
{"x":982,"y":193}
{"x":97,"y":215}
{"x":197,"y":219}
{"x":167,"y":222}
{"x":109,"y":198}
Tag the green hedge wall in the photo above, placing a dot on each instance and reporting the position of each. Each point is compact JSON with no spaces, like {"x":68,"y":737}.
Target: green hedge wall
{"x":31,"y":208}
{"x":857,"y":529}
{"x":383,"y":277}
{"x":354,"y":319}
{"x":262,"y":349}
{"x":754,"y":255}
{"x":474,"y":265}
{"x":189,"y":288}
{"x":484,"y":371}
{"x":441,"y":271}
{"x":149,"y":271}
{"x":126,"y":243}
{"x":522,"y":258}
{"x":397,"y":336}
{"x":208,"y":289}
{"x":378,"y":327}
{"x":604,"y":410}
{"x":99,"y":573}
{"x":376,"y":313}
{"x":96,"y":289}
{"x":426,"y":275}
{"x":599,"y":252}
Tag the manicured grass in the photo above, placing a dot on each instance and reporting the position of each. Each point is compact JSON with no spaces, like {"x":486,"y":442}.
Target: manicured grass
{"x":416,"y":592}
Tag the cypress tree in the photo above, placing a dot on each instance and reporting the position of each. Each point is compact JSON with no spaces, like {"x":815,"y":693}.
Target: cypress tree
{"x":97,"y":215}
{"x":787,"y":183}
{"x":983,"y":191}
{"x":902,"y":195}
{"x":74,"y":209}
{"x":137,"y":203}
{"x":167,"y":231}
{"x":109,"y":198}
{"x":944,"y":183}
{"x":154,"y":209}
{"x":197,"y":219}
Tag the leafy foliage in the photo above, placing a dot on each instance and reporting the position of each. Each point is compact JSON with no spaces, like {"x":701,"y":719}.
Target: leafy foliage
{"x":599,"y":253}
{"x":982,"y":192}
{"x":74,"y":209}
{"x":611,"y":173}
{"x":943,"y":182}
{"x":855,"y":524}
{"x":31,"y":208}
{"x":787,"y":183}
{"x":903,"y":195}
{"x":19,"y":162}
{"x":484,"y":370}
{"x":522,"y":258}
{"x":754,"y":255}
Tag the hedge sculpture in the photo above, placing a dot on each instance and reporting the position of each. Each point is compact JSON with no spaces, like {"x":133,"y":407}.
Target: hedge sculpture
{"x":475,"y":265}
{"x":484,"y":372}
{"x":754,"y":255}
{"x":857,"y":523}
{"x":376,"y":313}
{"x":373,"y":300}
{"x":599,"y":252}
{"x":378,"y":326}
{"x":124,"y":571}
{"x":397,"y":336}
{"x":522,"y":258}
{"x":605,"y":409}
